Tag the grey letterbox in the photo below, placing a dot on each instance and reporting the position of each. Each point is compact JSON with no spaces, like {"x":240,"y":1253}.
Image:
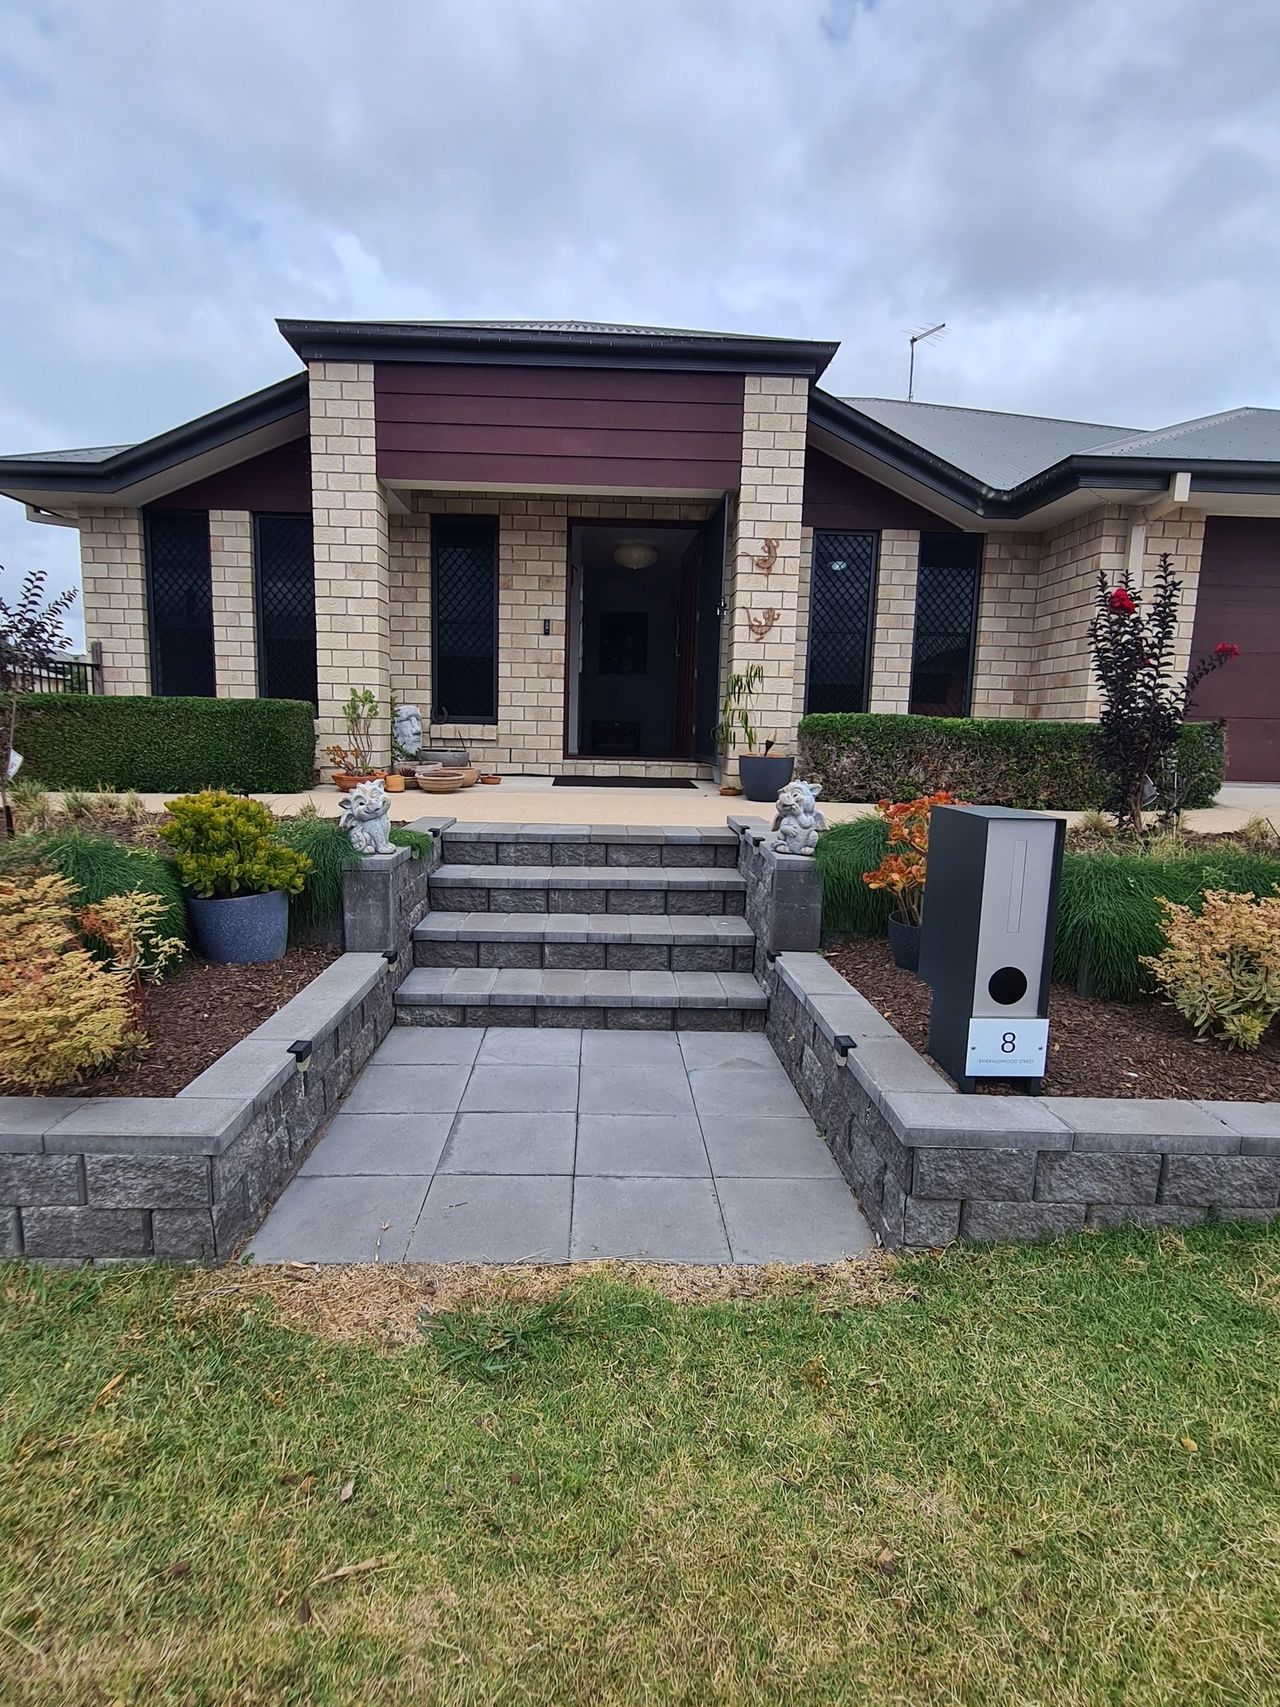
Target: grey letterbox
{"x":987,"y":943}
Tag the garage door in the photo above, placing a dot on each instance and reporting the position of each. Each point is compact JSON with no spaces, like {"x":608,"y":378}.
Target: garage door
{"x":1239,"y":600}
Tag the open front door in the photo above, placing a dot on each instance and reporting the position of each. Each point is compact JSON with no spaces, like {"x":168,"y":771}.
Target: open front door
{"x":710,"y":610}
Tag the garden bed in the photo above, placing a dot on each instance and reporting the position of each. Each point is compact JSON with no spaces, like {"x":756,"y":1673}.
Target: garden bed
{"x":197,"y":1014}
{"x":1096,"y":1048}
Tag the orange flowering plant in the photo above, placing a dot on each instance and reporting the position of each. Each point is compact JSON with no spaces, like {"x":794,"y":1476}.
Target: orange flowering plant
{"x":902,"y":870}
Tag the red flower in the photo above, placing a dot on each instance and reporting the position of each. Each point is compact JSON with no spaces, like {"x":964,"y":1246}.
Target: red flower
{"x":1122,"y":600}
{"x":1225,"y":649}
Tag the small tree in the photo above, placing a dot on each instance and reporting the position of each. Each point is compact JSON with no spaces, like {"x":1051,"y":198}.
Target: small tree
{"x":31,"y":639}
{"x":1143,"y":704}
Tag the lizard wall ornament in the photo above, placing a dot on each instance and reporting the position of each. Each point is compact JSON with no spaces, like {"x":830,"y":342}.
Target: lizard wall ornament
{"x":767,"y":558}
{"x":762,"y":622}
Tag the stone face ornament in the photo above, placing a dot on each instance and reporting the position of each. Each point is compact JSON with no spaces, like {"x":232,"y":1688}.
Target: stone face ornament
{"x":407,"y":730}
{"x":365,"y":814}
{"x":797,"y":820}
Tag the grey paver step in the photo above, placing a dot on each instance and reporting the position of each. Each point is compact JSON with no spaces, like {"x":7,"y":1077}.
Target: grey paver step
{"x":681,"y":846}
{"x":587,"y":942}
{"x":442,"y":995}
{"x":698,"y":891}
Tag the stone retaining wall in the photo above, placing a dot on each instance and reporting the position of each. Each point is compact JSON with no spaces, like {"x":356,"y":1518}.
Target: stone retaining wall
{"x":784,"y":895}
{"x":929,"y":1165}
{"x":189,"y":1177}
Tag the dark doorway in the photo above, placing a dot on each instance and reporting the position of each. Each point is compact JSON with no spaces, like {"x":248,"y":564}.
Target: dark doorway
{"x":630,"y":640}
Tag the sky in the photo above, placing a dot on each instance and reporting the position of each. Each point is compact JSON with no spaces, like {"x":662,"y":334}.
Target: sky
{"x":1084,"y":191}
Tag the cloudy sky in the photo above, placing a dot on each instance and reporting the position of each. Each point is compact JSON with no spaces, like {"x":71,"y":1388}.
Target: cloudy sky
{"x":1085,"y":191}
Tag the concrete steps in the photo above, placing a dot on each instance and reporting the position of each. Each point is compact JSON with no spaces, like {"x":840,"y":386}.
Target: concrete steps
{"x":616,"y":1001}
{"x":586,"y":942}
{"x":694,"y":891}
{"x":654,"y":847}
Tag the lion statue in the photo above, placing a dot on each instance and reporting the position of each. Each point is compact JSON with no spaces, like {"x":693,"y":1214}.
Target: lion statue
{"x":365,"y":814}
{"x":797,"y":820}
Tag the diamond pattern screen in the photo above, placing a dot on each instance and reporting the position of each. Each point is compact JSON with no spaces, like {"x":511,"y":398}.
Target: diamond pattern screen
{"x":464,"y":619}
{"x":180,"y":601}
{"x":284,"y":568}
{"x":841,"y":596}
{"x":946,"y":615}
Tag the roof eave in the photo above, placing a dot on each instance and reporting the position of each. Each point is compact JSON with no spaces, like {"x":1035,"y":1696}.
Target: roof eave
{"x":153,"y":456}
{"x":356,"y":341}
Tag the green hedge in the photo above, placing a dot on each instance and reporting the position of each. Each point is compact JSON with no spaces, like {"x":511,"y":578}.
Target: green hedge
{"x":169,"y":746}
{"x":1107,"y":913}
{"x":989,"y":760}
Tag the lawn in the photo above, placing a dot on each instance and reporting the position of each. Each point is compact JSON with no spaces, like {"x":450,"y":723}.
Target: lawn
{"x":1036,"y":1474}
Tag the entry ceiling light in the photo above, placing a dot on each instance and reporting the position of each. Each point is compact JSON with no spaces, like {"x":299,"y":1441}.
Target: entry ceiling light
{"x":635,"y":554}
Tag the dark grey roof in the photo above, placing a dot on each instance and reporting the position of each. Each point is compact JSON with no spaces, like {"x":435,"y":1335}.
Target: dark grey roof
{"x":612,"y":328}
{"x":95,"y":453}
{"x":1235,"y":435}
{"x":998,"y":449}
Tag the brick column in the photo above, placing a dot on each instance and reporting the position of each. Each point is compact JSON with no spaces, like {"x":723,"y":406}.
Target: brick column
{"x":235,"y":647}
{"x":762,"y":570}
{"x":895,"y":622}
{"x":114,"y":581}
{"x":1181,"y":534}
{"x":1006,"y":625}
{"x":352,"y":558}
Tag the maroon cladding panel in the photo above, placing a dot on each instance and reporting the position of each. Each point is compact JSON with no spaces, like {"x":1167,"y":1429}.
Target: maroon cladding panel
{"x":1239,"y":601}
{"x":549,"y":426}
{"x":837,"y":496}
{"x":279,"y":479}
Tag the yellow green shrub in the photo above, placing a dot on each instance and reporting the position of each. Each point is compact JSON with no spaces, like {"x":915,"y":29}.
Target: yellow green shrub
{"x":62,"y":1013}
{"x":1220,"y":968}
{"x":225,"y":844}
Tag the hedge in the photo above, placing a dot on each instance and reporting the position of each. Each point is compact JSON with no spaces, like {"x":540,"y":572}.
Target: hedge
{"x":992,"y":761}
{"x":254,"y":746}
{"x":1107,"y":912}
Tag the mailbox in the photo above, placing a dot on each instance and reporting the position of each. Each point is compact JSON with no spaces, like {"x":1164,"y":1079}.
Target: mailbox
{"x":987,"y":943}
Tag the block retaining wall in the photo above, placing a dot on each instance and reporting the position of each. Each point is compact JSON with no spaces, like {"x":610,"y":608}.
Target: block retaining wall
{"x":189,"y":1177}
{"x":930,"y":1166}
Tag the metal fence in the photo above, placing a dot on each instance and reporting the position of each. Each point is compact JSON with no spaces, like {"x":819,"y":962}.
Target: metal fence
{"x":66,"y":675}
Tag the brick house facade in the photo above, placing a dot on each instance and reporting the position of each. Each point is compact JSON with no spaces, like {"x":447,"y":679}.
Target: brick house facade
{"x":441,"y":514}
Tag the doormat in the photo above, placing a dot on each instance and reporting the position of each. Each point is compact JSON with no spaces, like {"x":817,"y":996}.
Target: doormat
{"x":622,"y":782}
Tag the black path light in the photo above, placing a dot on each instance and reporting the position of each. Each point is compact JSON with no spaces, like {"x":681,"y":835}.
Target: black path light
{"x":986,"y":947}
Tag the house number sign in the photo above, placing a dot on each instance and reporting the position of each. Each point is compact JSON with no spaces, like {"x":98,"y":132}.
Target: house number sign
{"x":1007,"y":1048}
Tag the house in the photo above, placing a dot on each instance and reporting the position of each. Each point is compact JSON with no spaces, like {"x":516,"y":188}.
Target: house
{"x":557,"y":539}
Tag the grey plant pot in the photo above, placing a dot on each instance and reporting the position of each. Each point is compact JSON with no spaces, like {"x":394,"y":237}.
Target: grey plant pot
{"x":761,"y":778}
{"x":904,"y":942}
{"x":241,"y":930}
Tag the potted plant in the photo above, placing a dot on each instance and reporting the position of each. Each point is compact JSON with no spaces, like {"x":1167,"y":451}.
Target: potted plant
{"x":239,"y":873}
{"x":903,"y":869}
{"x":761,"y":776}
{"x":354,"y":763}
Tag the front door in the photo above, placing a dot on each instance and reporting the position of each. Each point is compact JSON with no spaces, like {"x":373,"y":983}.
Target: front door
{"x":710,"y":611}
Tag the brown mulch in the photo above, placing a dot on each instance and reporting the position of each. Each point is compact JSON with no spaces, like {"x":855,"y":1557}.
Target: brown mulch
{"x":386,"y":1302}
{"x":1096,"y":1048}
{"x":195,"y":1016}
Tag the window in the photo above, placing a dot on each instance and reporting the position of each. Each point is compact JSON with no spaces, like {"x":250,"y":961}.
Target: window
{"x":842,"y":589}
{"x":946,"y":618}
{"x":180,"y":602}
{"x":285,"y":600}
{"x":464,"y":619}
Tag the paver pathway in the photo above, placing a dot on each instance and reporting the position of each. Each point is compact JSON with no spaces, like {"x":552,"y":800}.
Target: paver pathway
{"x":470,"y":1145}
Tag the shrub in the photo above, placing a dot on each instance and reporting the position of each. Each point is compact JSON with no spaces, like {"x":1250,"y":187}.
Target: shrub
{"x":997,"y":761}
{"x":225,"y":845}
{"x":62,"y":1014}
{"x":1143,"y":703}
{"x":98,"y":867}
{"x":902,"y":873}
{"x":89,"y":741}
{"x":843,"y":856}
{"x":1221,"y":969}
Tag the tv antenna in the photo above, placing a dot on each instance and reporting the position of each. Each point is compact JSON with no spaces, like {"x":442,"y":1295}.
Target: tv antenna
{"x":914,"y":339}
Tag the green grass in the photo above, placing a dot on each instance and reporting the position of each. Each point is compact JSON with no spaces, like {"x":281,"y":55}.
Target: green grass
{"x":1047,"y":1474}
{"x":98,"y":866}
{"x":843,"y":853}
{"x":319,"y":904}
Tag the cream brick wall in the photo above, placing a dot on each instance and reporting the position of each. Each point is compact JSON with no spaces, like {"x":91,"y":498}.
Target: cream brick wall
{"x":1061,"y":679}
{"x":352,"y":551}
{"x":775,"y":420}
{"x":895,"y":620}
{"x":114,"y":589}
{"x":1005,"y":649}
{"x":235,"y":649}
{"x":1181,"y":534}
{"x":533,"y":558}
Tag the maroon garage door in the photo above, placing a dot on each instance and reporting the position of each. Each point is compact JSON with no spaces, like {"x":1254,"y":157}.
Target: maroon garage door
{"x":1239,"y":600}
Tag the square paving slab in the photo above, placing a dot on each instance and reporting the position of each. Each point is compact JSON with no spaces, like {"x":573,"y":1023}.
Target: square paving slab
{"x":517,"y":1145}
